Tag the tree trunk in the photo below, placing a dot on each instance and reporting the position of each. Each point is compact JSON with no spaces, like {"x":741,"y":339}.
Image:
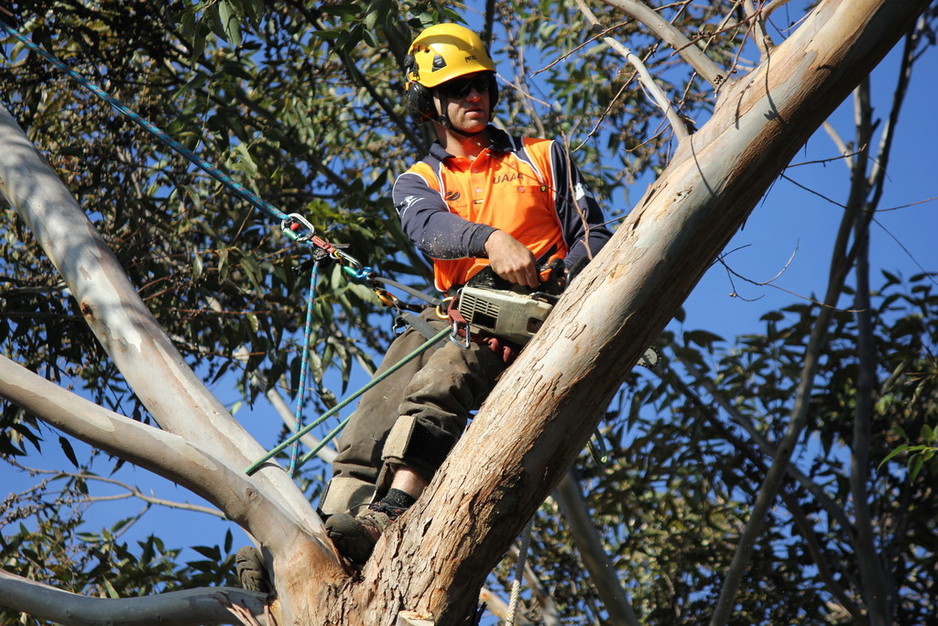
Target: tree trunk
{"x":435,"y":559}
{"x":520,"y":444}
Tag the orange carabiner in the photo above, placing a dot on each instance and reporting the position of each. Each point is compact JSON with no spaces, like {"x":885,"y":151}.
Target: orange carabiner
{"x":444,"y":304}
{"x":387,"y":298}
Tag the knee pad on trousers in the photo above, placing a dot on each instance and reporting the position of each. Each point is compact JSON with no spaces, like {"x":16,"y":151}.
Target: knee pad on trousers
{"x":418,"y":445}
{"x":345,"y":494}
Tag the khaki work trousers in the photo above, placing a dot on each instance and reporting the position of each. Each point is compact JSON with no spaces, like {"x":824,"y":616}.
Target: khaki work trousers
{"x":411,"y":418}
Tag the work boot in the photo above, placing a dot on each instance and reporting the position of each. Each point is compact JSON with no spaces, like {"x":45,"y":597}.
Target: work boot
{"x":251,"y":571}
{"x":355,"y":537}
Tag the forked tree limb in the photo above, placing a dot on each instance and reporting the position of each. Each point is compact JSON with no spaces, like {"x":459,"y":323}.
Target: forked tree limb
{"x":163,"y":453}
{"x":178,"y":401}
{"x":660,"y":27}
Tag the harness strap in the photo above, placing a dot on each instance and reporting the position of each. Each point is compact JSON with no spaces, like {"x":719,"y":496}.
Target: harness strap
{"x":417,"y":323}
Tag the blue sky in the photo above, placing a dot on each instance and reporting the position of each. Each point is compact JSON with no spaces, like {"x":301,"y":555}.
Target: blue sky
{"x":791,"y":231}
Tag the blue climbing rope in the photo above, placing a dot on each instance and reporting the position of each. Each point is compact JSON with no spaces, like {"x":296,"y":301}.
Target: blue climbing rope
{"x":239,"y":190}
{"x":295,"y":227}
{"x":304,"y":367}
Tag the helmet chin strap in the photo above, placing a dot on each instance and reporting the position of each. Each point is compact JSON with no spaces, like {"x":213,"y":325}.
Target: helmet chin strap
{"x":445,"y":122}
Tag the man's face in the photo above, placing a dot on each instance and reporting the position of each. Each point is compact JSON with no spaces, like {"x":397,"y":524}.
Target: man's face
{"x":467,"y":101}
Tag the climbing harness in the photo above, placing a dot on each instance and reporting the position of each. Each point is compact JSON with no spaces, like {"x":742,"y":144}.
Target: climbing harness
{"x":298,"y":229}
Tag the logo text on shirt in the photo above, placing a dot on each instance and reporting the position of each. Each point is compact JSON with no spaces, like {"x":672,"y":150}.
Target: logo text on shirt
{"x":507,"y":178}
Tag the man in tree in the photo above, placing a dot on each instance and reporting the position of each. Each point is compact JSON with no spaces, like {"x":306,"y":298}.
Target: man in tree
{"x":480,"y":198}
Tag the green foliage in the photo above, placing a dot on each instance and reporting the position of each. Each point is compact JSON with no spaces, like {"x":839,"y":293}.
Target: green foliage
{"x":918,"y":454}
{"x":685,"y":461}
{"x":302,"y":105}
{"x":45,"y":539}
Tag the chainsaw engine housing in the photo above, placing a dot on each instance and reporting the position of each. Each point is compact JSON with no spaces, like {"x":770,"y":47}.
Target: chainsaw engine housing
{"x":508,"y":315}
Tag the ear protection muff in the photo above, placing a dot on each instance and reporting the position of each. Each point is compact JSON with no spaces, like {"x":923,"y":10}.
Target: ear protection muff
{"x":439,"y":54}
{"x":418,"y":99}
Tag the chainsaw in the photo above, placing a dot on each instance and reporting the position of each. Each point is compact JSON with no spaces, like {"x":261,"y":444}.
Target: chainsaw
{"x":508,"y":315}
{"x":490,"y":308}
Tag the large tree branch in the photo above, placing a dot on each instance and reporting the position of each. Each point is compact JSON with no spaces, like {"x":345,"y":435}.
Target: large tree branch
{"x":502,"y":468}
{"x":181,"y":608}
{"x":292,"y":554}
{"x":298,"y":558}
{"x":146,"y":357}
{"x":163,"y":453}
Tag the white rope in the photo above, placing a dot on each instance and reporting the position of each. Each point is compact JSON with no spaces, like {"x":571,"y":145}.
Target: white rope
{"x":519,"y":573}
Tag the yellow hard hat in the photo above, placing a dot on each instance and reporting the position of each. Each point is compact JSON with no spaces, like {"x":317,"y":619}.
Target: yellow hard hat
{"x":444,"y":52}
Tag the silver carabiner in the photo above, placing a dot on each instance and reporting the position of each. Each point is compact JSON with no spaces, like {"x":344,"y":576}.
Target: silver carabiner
{"x":291,"y":226}
{"x":463,"y":342}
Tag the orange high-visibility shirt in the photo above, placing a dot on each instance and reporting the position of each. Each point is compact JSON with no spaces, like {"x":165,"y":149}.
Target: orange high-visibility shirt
{"x":450,"y":205}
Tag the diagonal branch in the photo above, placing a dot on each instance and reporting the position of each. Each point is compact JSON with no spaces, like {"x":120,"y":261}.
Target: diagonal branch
{"x":856,"y":218}
{"x":827,"y":503}
{"x":130,"y":491}
{"x":180,"y":608}
{"x":163,"y":453}
{"x":796,"y":426}
{"x":660,"y":27}
{"x":821,"y":558}
{"x":598,"y":563}
{"x":645,"y":77}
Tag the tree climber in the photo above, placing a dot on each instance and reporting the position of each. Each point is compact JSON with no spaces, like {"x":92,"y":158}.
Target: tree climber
{"x":480,"y":198}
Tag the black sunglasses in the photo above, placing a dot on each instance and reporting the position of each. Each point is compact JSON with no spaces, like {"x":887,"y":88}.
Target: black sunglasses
{"x":459,"y":88}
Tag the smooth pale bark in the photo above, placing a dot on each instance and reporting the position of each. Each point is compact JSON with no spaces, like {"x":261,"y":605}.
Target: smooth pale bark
{"x":179,"y":608}
{"x":547,"y":405}
{"x":435,"y":559}
{"x":174,"y":396}
{"x":297,"y":552}
{"x":163,"y":453}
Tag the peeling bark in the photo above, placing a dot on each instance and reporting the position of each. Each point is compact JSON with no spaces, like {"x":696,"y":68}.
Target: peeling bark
{"x":436,"y":557}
